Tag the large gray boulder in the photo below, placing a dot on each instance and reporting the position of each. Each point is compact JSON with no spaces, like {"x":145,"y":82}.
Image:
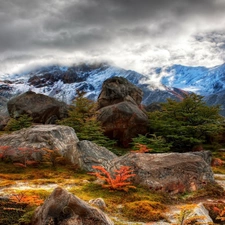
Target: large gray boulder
{"x":41,"y":108}
{"x":66,"y":209}
{"x":62,"y":139}
{"x":168,"y":172}
{"x":54,"y":137}
{"x":91,"y":154}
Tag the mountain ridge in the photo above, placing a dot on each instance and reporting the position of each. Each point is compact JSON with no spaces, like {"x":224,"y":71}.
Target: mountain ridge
{"x":61,"y":82}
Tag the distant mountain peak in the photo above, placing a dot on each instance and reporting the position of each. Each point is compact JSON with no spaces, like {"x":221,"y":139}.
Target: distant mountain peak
{"x":62,"y":81}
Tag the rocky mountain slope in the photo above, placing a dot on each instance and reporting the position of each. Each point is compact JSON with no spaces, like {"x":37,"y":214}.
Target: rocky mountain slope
{"x":208,"y":82}
{"x":61,"y":82}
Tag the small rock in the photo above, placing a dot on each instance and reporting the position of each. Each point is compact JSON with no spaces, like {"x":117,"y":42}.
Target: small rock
{"x":91,"y":154}
{"x":200,"y":210}
{"x":99,"y":202}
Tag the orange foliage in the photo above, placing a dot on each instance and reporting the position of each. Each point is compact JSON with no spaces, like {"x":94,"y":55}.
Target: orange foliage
{"x":33,"y":200}
{"x":221,"y":215}
{"x":52,"y":155}
{"x":141,"y":148}
{"x":3,"y":150}
{"x":216,"y":209}
{"x":19,"y":165}
{"x":24,"y":152}
{"x":119,"y":182}
{"x":216,"y":162}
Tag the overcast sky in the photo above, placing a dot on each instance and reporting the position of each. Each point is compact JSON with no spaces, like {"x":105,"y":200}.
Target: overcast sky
{"x":133,"y":34}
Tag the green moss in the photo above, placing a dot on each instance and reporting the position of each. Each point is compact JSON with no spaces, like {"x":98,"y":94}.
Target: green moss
{"x":138,"y":194}
{"x":119,"y":222}
{"x":113,"y":199}
{"x":11,"y":212}
{"x":144,"y":211}
{"x":219,"y":169}
{"x":81,"y":183}
{"x":213,"y":190}
{"x":26,"y":218}
{"x":42,"y":193}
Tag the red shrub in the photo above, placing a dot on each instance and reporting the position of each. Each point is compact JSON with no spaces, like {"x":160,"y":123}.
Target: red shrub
{"x":119,"y":182}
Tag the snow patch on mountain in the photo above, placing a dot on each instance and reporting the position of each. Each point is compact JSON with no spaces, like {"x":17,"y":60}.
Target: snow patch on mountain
{"x":62,"y":82}
{"x":201,"y":80}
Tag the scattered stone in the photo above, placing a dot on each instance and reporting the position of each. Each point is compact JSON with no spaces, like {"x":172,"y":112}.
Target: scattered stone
{"x":194,"y":210}
{"x":66,"y":209}
{"x":99,"y":202}
{"x":168,"y":172}
{"x":200,"y":210}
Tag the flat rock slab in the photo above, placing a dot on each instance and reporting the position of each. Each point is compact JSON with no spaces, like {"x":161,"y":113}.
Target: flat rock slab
{"x":168,"y":172}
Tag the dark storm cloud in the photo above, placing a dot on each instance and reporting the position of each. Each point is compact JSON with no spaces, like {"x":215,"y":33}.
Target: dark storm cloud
{"x":133,"y":11}
{"x":40,"y":27}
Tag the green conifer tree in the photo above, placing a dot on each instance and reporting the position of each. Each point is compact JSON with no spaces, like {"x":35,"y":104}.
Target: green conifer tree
{"x":83,"y":118}
{"x":156,"y":144}
{"x":187,"y":123}
{"x":23,"y":121}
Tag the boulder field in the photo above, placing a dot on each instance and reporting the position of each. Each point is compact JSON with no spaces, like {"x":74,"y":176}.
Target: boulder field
{"x":169,"y":172}
{"x":119,"y":109}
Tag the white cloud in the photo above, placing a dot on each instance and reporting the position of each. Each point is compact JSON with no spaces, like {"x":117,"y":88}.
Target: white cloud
{"x":137,"y":35}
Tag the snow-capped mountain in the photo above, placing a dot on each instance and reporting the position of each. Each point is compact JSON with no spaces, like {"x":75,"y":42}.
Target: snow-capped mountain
{"x":62,"y":82}
{"x":201,"y":80}
{"x":208,"y":82}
